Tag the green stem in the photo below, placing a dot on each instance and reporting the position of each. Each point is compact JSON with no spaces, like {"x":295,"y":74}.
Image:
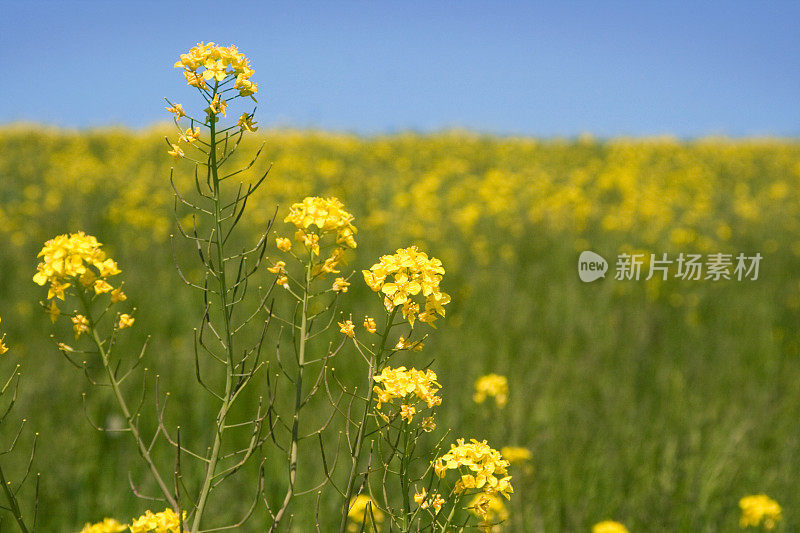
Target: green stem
{"x":123,"y":405}
{"x":229,"y":364}
{"x":298,"y":395}
{"x":374,"y":361}
{"x":450,"y":516}
{"x":12,"y":502}
{"x":404,"y":477}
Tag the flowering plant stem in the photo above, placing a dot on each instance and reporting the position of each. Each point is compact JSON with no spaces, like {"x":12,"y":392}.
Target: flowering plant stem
{"x":219,"y":274}
{"x":404,"y":462}
{"x":374,"y":362}
{"x":123,"y":405}
{"x":298,"y":396}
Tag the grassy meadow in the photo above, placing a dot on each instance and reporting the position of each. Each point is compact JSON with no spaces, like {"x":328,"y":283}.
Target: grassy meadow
{"x":655,"y":403}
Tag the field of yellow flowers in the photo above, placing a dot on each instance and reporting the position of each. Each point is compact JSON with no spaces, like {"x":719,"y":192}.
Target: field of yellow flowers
{"x":658,"y":404}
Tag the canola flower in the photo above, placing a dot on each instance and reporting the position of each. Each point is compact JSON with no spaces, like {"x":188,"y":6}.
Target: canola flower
{"x":404,"y":275}
{"x":108,"y":525}
{"x":70,"y":261}
{"x":609,"y":526}
{"x":433,"y":501}
{"x":407,"y":386}
{"x":516,"y":454}
{"x":80,"y":325}
{"x":491,"y":386}
{"x":348,"y":328}
{"x":340,"y":285}
{"x":362,"y":511}
{"x":166,"y":521}
{"x":315,"y":217}
{"x":125,"y":321}
{"x":206,"y":62}
{"x":480,"y":466}
{"x":761,"y":510}
{"x":491,"y":510}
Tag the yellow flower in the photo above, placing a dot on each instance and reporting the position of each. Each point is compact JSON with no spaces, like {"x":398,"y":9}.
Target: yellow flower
{"x":125,"y":321}
{"x":340,"y":285}
{"x":67,"y":257}
{"x":408,"y":386}
{"x":217,"y":106}
{"x":282,"y":281}
{"x":245,"y":86}
{"x":246,"y":123}
{"x":407,"y":412}
{"x":403,"y":344}
{"x":190,"y":135}
{"x":109,"y":525}
{"x":759,"y":509}
{"x":177,"y":109}
{"x":481,"y":467}
{"x":348,"y":328}
{"x":80,"y":324}
{"x":53,"y":311}
{"x":118,"y":296}
{"x":490,"y":509}
{"x":361,"y":513}
{"x":102,"y":286}
{"x":195,"y":80}
{"x":515,"y":454}
{"x":428,"y":424}
{"x":309,"y":240}
{"x":491,"y":385}
{"x":403,"y":276}
{"x":108,"y":268}
{"x":283,"y":244}
{"x":277,"y":267}
{"x":425,"y":500}
{"x":609,"y":526}
{"x":164,"y":522}
{"x":57,"y":289}
{"x":176,"y":152}
{"x":3,"y":347}
{"x":327,"y":214}
{"x":369,"y":324}
{"x":215,"y":70}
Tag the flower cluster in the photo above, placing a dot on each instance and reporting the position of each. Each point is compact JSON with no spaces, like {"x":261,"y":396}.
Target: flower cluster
{"x":481,"y":467}
{"x":404,"y":275}
{"x":315,"y":218}
{"x":109,"y":525}
{"x":409,"y":386}
{"x":429,"y":501}
{"x":490,"y":508}
{"x":217,"y":63}
{"x":164,"y":522}
{"x":759,"y":509}
{"x":491,"y":385}
{"x":362,"y":511}
{"x":609,"y":526}
{"x":75,"y":260}
{"x":327,"y":215}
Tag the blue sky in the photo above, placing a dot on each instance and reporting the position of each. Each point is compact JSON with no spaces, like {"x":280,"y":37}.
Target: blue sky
{"x":534,"y":68}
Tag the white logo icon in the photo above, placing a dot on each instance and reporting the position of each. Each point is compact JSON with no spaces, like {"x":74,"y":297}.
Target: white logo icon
{"x":591,"y":266}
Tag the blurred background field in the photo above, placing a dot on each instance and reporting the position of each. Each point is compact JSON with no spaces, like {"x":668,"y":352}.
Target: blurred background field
{"x":658,"y":404}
